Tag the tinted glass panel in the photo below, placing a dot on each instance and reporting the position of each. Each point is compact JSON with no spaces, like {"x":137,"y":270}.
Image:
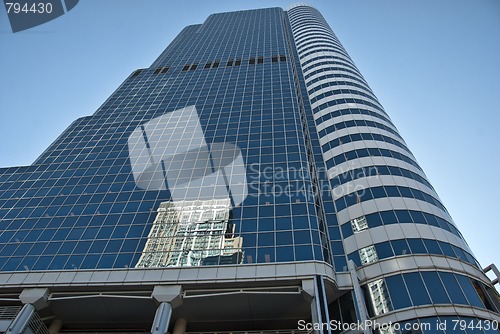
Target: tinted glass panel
{"x":435,"y":287}
{"x":384,"y":250}
{"x":417,"y":246}
{"x":453,"y":288}
{"x":418,"y":293}
{"x":397,"y":290}
{"x":432,"y":246}
{"x":469,"y":291}
{"x":400,"y":247}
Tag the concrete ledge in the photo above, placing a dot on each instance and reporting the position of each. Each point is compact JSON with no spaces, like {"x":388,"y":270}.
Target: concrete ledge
{"x":179,"y":275}
{"x":413,"y":262}
{"x":435,"y":310}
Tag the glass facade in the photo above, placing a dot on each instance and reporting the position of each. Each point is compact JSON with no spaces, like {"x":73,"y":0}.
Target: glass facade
{"x":390,"y":215}
{"x":252,"y":139}
{"x":423,"y":288}
{"x":94,"y":198}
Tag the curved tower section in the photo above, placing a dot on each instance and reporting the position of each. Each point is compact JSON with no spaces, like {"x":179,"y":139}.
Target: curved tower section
{"x":409,"y":255}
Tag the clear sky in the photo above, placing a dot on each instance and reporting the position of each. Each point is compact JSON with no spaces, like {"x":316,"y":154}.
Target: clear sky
{"x":434,"y":65}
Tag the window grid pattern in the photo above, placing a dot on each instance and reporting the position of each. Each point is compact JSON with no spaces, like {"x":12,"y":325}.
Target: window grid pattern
{"x":424,"y":288}
{"x":398,"y":247}
{"x":78,"y":207}
{"x":351,"y":150}
{"x":389,"y":217}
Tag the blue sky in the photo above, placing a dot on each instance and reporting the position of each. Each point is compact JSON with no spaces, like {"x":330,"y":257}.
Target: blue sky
{"x":434,"y":65}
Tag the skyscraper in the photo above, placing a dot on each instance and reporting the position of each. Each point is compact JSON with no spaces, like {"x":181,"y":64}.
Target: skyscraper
{"x":248,"y":180}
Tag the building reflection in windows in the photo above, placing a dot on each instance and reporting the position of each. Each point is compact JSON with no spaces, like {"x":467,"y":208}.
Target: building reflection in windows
{"x":359,"y":224}
{"x":368,"y":255}
{"x":192,"y":233}
{"x":379,"y":297}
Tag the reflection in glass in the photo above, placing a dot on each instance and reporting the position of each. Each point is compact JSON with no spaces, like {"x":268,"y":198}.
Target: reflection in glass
{"x":359,"y":224}
{"x":192,"y":233}
{"x":379,"y":297}
{"x":368,"y":255}
{"x":391,"y":330}
{"x":170,"y":152}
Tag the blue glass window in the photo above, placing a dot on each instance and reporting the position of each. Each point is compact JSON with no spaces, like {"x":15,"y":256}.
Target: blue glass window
{"x":435,"y":287}
{"x":397,"y":289}
{"x":418,"y":293}
{"x":453,"y":288}
{"x":469,"y":291}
